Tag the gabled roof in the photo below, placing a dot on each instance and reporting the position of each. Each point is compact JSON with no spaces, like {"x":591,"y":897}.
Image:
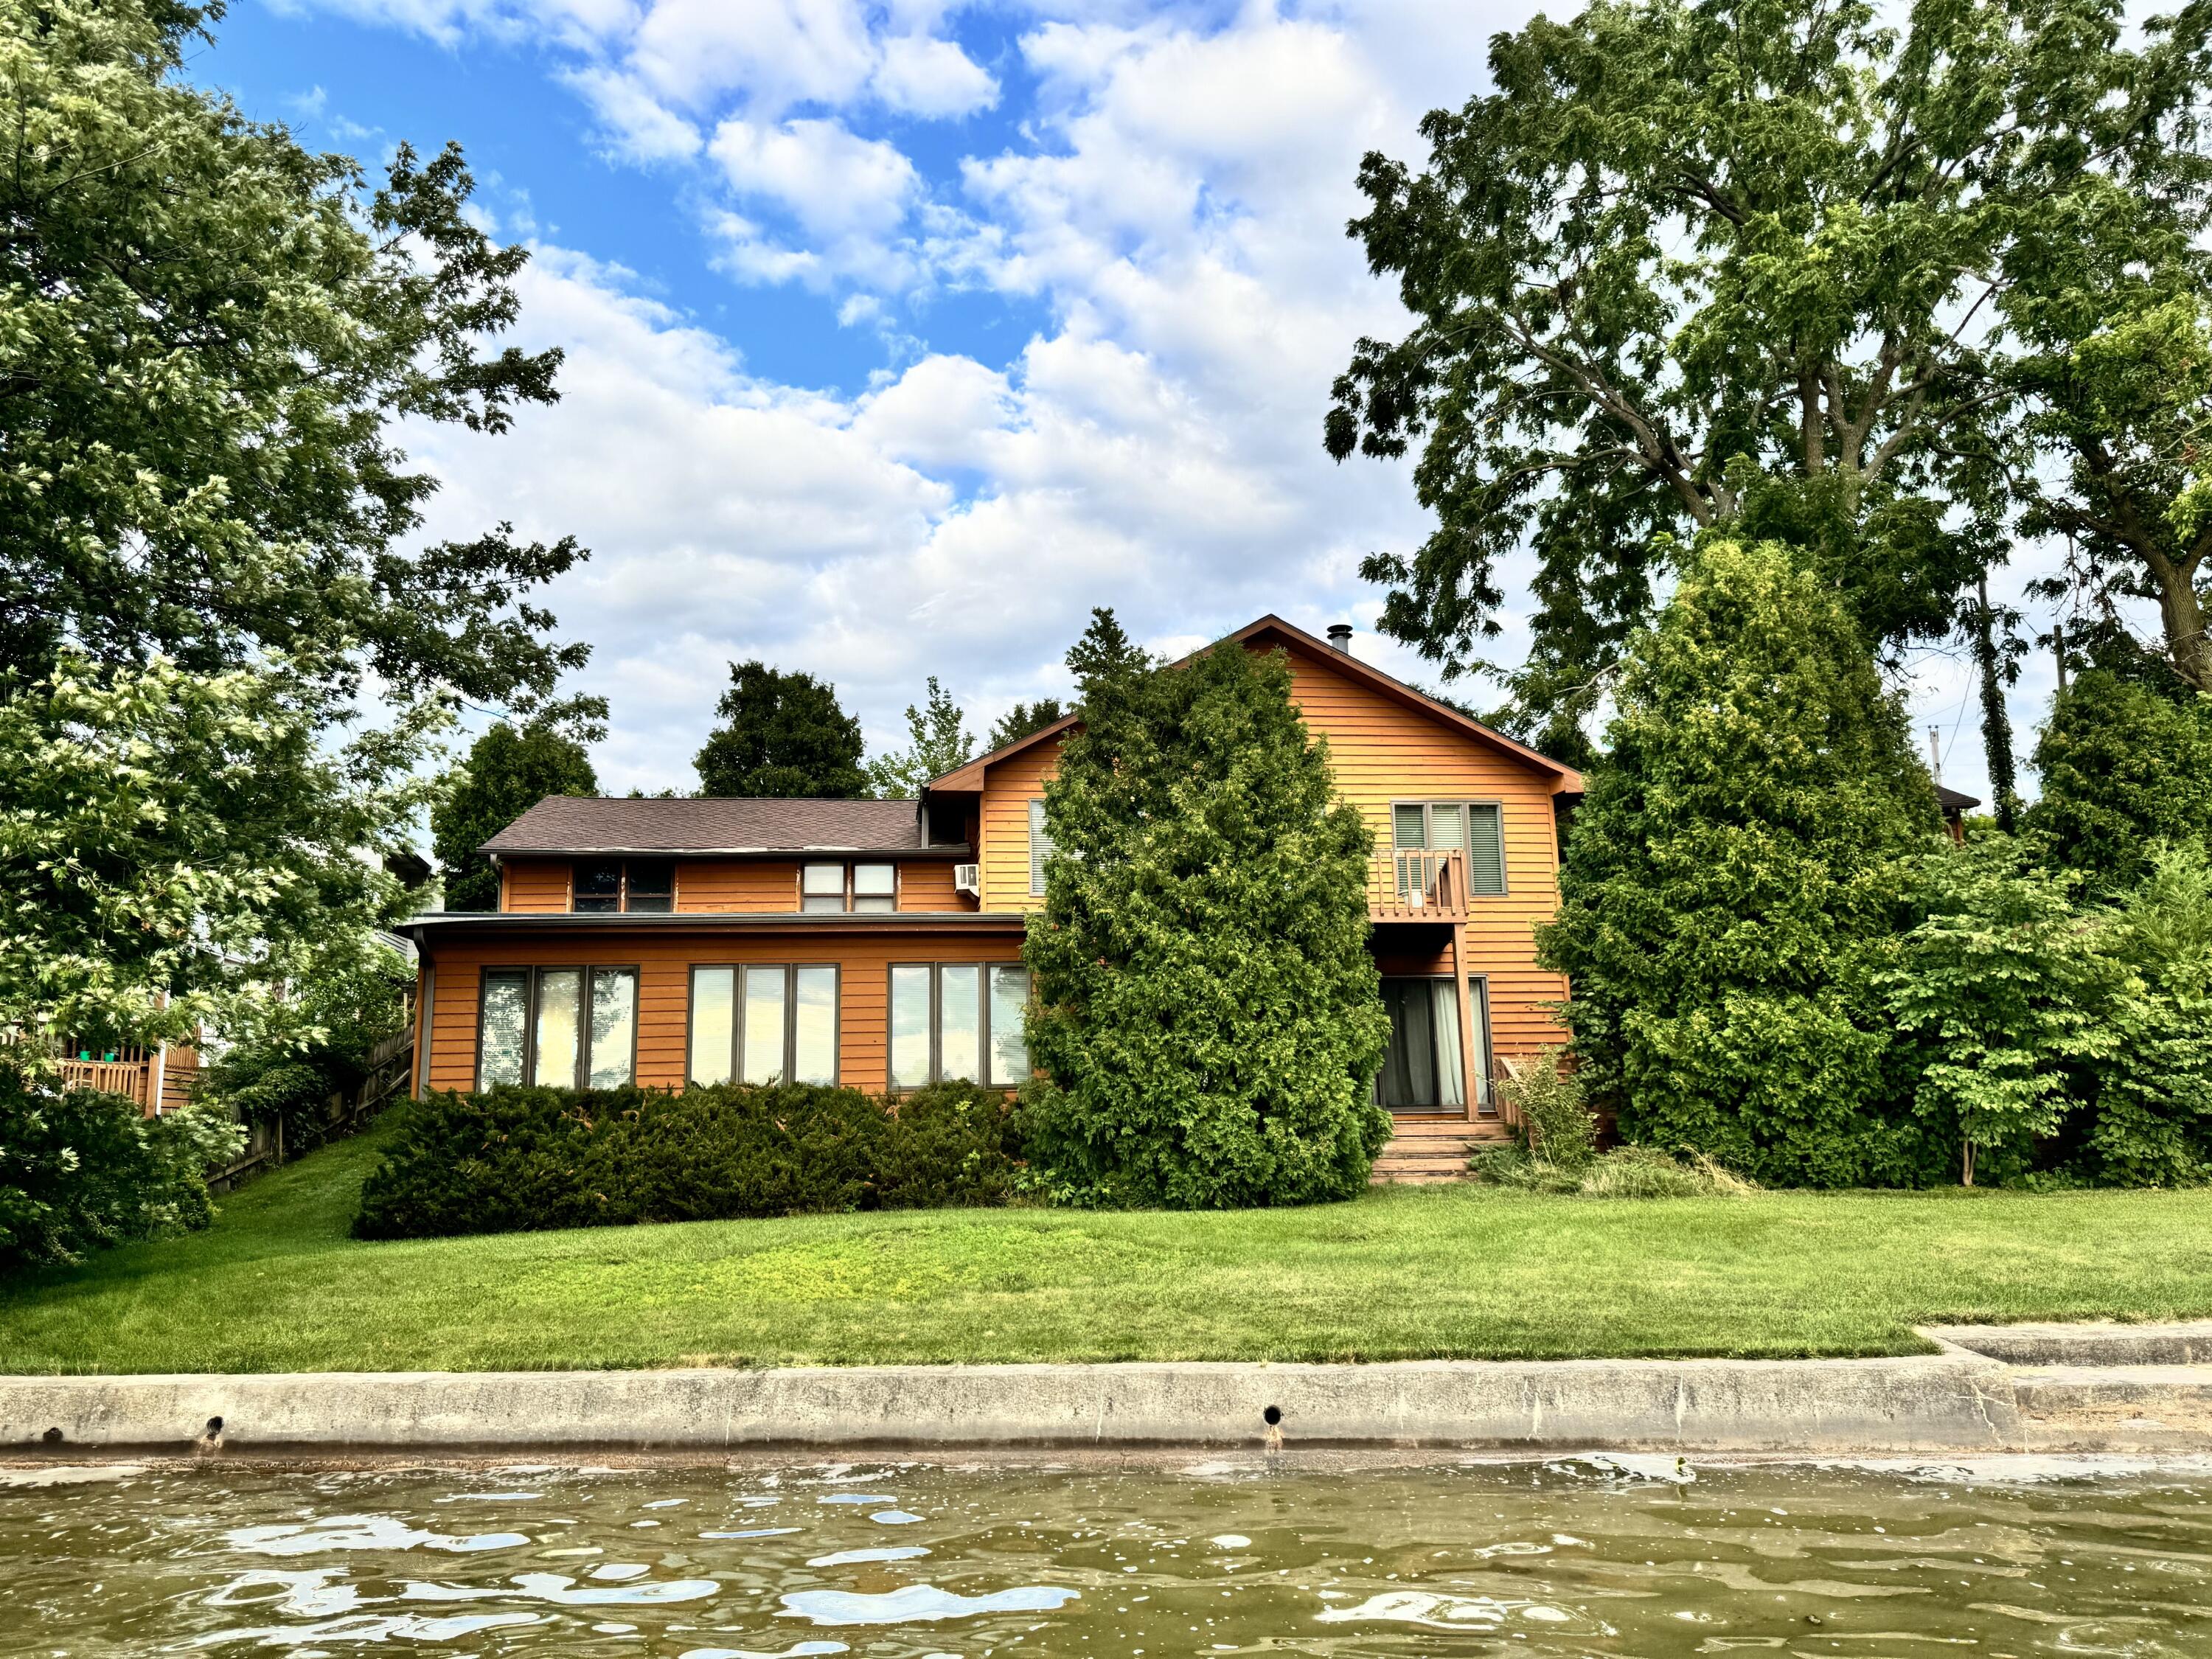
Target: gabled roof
{"x":599,"y":824}
{"x":1951,"y":801}
{"x":1272,"y":628}
{"x":970,"y":776}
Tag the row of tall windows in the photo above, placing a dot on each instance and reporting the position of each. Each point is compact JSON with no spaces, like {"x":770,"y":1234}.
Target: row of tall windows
{"x":566,"y":1028}
{"x":764,"y":1023}
{"x":761,"y":1022}
{"x":958,"y":1020}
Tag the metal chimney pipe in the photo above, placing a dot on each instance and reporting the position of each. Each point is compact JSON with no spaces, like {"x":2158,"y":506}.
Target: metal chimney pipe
{"x":1340,"y":636}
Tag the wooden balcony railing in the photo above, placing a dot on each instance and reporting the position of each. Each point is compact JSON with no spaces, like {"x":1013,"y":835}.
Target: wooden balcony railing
{"x":1412,"y":883}
{"x":133,"y":1079}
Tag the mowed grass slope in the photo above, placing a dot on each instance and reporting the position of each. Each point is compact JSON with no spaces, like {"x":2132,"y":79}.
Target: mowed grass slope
{"x":277,"y":1285}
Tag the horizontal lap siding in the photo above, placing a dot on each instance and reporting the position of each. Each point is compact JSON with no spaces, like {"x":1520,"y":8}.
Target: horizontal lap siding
{"x":1009,"y":786}
{"x":664,"y":968}
{"x":737,"y":886}
{"x":928,"y":887}
{"x":1380,"y":753}
{"x":538,"y":885}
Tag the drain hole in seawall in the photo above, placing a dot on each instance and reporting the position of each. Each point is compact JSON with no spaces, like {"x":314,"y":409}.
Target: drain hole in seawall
{"x":214,"y":1425}
{"x":1272,"y":1416}
{"x":52,"y":1437}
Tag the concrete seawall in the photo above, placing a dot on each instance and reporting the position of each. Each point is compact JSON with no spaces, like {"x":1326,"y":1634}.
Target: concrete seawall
{"x":2098,"y":1396}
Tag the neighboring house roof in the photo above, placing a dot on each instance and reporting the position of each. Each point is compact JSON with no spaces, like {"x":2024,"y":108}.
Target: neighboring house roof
{"x":1951,"y":801}
{"x":591,"y":824}
{"x":1274,"y":628}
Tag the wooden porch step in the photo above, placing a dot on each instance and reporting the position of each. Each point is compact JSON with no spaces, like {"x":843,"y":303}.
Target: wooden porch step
{"x":1433,"y":1148}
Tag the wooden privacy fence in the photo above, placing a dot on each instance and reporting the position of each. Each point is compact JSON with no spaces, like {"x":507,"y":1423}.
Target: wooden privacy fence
{"x":389,"y":1065}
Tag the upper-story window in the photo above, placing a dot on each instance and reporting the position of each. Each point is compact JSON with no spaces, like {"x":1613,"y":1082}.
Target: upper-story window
{"x":1040,"y":845}
{"x":848,"y":887}
{"x":643,"y":886}
{"x":1474,"y":828}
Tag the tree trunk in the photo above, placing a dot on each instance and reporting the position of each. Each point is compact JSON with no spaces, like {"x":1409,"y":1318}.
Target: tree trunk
{"x":2181,"y":609}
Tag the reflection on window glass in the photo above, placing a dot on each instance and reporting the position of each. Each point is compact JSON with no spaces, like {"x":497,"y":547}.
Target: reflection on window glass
{"x":1010,"y":1053}
{"x":875,"y":887}
{"x":598,"y":886}
{"x":614,"y":1026}
{"x":559,"y":994}
{"x":909,"y":1025}
{"x":506,"y":997}
{"x":764,"y":1025}
{"x":960,"y":1021}
{"x":713,"y":1023}
{"x":814,"y":1025}
{"x":649,"y":885}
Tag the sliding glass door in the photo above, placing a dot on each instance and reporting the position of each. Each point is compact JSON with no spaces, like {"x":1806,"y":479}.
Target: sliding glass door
{"x":1424,"y":1070}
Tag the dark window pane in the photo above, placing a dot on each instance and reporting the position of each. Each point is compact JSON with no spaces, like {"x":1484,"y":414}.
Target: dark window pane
{"x":652,"y":885}
{"x":598,"y":886}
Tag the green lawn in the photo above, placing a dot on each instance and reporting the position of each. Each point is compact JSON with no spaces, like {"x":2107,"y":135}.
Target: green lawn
{"x":1420,"y":1273}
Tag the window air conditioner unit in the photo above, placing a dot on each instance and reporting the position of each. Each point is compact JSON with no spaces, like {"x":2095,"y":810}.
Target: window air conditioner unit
{"x":969,"y":879}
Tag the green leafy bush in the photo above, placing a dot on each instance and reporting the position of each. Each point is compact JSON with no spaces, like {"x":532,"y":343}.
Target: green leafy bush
{"x":2149,"y":1120}
{"x":1554,"y":1120}
{"x":1736,"y":876}
{"x":514,"y":1159}
{"x":2002,"y":984}
{"x":1207,"y":1014}
{"x":2126,"y":761}
{"x":81,"y":1170}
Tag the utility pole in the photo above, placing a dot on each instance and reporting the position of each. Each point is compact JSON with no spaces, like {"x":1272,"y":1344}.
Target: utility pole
{"x":1936,"y":756}
{"x":2059,"y":650}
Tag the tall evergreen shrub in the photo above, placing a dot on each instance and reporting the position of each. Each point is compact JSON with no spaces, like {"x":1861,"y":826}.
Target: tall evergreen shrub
{"x":2126,"y":761}
{"x":1740,"y":866}
{"x":1208,"y":1013}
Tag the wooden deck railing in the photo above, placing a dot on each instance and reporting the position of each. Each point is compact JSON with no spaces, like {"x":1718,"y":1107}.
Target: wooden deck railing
{"x":133,"y":1079}
{"x":1412,"y":883}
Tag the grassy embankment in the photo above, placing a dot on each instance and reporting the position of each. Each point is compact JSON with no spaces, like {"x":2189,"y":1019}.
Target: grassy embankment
{"x":277,"y":1285}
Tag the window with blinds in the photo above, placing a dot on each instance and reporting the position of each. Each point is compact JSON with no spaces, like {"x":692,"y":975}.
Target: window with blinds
{"x":1040,"y":845}
{"x":1475,"y":828}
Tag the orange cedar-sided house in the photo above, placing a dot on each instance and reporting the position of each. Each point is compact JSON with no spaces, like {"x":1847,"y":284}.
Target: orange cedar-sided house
{"x":877,"y":943}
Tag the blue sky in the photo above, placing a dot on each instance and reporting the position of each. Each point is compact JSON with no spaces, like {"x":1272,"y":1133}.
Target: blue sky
{"x":902,"y":333}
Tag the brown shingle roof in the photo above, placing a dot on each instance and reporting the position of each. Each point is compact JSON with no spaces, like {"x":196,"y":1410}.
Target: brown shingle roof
{"x":585,"y":823}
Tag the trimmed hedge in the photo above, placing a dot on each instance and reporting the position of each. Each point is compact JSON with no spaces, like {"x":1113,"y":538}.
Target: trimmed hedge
{"x":520,"y":1160}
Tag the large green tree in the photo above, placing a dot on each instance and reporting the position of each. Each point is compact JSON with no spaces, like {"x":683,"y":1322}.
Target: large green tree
{"x":206,"y":336}
{"x":1022,"y":719}
{"x":1736,"y":876}
{"x":225,"y":653}
{"x":176,"y":849}
{"x":937,"y":740}
{"x":1206,"y":1011}
{"x":1733,"y":264}
{"x":781,"y":734}
{"x":508,"y":771}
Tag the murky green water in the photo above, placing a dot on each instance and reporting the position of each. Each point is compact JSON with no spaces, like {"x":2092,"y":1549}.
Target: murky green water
{"x":1577,"y":1557}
